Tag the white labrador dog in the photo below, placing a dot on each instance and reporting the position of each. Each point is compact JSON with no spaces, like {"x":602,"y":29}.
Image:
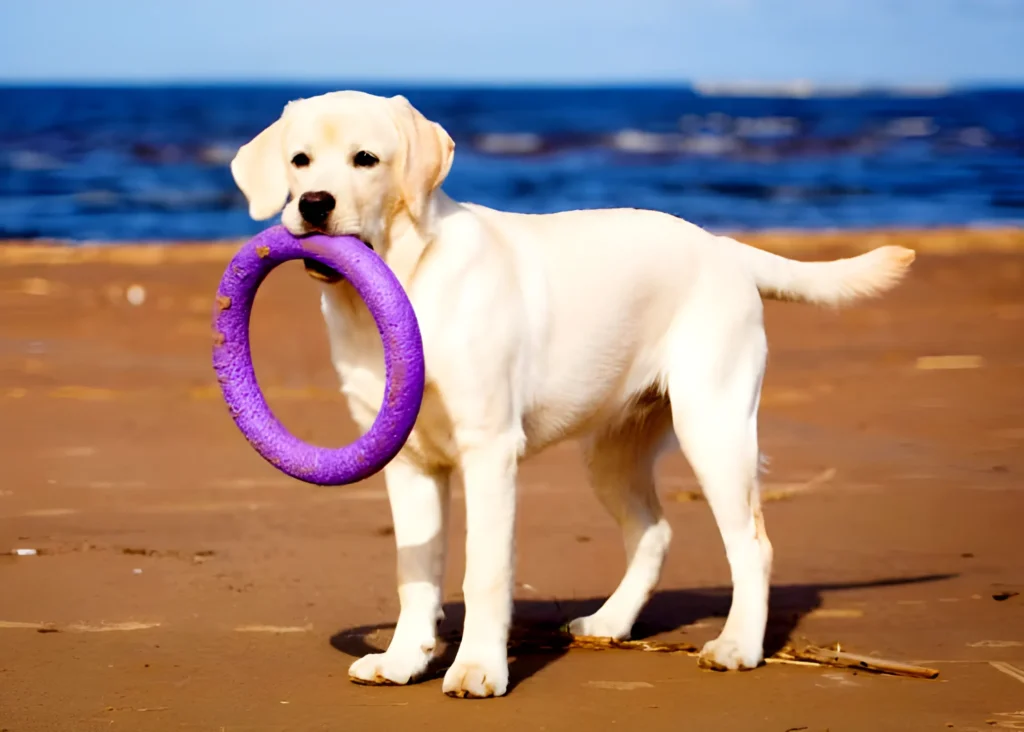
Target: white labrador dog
{"x":620,"y":327}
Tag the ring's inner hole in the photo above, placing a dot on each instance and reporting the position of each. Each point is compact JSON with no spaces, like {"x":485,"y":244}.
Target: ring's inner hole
{"x":291,"y":357}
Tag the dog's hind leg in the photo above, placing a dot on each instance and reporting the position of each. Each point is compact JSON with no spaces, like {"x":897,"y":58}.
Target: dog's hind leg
{"x":620,"y":463}
{"x":714,"y":386}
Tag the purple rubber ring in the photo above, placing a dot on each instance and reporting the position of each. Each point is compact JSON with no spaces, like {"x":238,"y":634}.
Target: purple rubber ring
{"x":403,"y":356}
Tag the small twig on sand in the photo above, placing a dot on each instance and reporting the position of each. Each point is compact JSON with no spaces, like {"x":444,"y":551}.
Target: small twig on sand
{"x":785,"y":490}
{"x":769,"y":491}
{"x":534,"y":641}
{"x":842,"y":659}
{"x":604,"y":644}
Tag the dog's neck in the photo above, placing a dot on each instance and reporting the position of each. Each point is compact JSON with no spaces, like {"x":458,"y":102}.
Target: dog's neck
{"x":407,"y":239}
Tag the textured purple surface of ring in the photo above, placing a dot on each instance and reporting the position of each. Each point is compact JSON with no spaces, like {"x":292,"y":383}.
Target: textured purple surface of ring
{"x":403,"y":356}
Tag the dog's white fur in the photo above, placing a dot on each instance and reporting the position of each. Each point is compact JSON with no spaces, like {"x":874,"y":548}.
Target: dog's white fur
{"x":620,"y":327}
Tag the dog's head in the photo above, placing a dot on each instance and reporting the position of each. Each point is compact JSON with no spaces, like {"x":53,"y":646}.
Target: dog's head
{"x":351,"y":162}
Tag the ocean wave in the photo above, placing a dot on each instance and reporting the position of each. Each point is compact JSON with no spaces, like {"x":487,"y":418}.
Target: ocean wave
{"x":744,"y":137}
{"x":219,"y":154}
{"x":29,"y":160}
{"x":159,"y":199}
{"x":497,"y":143}
{"x":911,"y":127}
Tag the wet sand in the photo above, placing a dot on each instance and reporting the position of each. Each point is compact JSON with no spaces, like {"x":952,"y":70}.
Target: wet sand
{"x":182,"y":583}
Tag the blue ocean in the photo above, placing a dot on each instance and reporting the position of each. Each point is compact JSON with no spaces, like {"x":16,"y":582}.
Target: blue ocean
{"x":151,"y":163}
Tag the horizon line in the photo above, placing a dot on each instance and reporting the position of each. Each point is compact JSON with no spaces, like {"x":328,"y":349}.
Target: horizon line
{"x":708,"y":87}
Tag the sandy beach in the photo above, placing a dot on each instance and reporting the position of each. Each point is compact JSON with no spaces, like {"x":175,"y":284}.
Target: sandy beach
{"x":180,"y":582}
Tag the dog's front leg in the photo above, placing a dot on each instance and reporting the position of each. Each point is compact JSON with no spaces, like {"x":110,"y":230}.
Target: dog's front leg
{"x":419,"y":509}
{"x":481,"y":664}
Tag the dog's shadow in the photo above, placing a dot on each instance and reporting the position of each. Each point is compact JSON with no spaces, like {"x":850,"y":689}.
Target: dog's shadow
{"x":667,"y":611}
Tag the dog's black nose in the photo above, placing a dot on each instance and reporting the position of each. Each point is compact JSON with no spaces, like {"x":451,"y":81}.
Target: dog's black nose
{"x":315,"y":206}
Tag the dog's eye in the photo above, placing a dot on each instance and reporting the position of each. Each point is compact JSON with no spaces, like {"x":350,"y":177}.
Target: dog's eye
{"x":363,"y":159}
{"x":301,"y":160}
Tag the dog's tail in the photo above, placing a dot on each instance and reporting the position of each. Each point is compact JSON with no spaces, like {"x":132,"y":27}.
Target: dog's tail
{"x":826,"y":283}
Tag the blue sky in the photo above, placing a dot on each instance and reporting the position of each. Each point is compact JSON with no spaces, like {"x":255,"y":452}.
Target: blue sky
{"x":509,"y":41}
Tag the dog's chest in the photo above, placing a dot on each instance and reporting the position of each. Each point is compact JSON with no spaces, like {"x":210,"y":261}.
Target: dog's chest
{"x":358,"y":358}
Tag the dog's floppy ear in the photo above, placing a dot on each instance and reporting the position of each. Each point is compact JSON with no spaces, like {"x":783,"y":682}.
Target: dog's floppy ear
{"x":259,"y":170}
{"x":425,"y":155}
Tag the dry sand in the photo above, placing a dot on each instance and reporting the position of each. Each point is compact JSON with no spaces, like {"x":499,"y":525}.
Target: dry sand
{"x":182,"y":583}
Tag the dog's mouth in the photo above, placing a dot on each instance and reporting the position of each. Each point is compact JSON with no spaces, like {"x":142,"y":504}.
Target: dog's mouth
{"x":322,"y":272}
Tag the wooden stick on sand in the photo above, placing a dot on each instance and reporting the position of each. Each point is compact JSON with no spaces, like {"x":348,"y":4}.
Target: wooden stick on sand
{"x":842,"y":659}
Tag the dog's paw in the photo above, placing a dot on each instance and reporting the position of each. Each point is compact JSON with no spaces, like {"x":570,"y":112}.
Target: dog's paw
{"x":476,"y":675}
{"x":390,"y":668}
{"x":725,"y":654}
{"x":595,"y":626}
